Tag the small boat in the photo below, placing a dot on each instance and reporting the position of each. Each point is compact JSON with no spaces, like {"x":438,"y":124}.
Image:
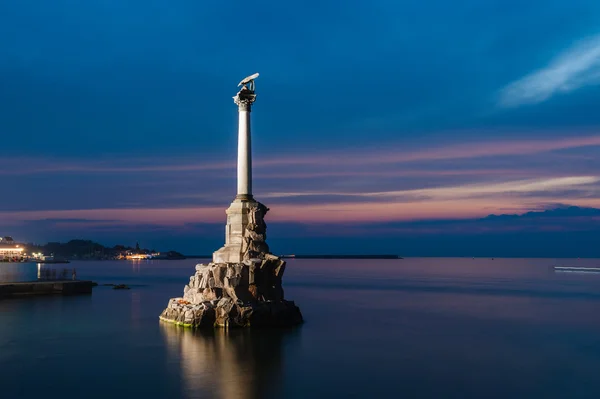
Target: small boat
{"x":49,"y":259}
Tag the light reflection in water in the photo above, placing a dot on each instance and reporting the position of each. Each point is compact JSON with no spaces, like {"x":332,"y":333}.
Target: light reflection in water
{"x":135,"y":265}
{"x":244,"y":364}
{"x":17,"y":272}
{"x":136,"y":303}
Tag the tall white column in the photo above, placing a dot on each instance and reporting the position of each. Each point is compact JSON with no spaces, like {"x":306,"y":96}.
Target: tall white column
{"x":244,"y":100}
{"x":243,"y":209}
{"x":244,"y":162}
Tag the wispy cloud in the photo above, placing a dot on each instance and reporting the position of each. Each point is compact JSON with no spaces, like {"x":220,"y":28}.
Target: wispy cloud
{"x":385,"y":154}
{"x":576,"y":67}
{"x":332,"y":212}
{"x":464,"y":191}
{"x":451,"y":202}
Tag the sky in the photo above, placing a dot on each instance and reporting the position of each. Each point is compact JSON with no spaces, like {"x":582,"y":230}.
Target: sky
{"x":384,"y":126}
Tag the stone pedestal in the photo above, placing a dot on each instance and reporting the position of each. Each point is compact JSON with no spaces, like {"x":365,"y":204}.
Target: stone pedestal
{"x":245,"y":232}
{"x":242,"y":286}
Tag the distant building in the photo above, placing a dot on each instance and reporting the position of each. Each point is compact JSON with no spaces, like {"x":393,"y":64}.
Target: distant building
{"x":138,"y":256}
{"x":10,"y":250}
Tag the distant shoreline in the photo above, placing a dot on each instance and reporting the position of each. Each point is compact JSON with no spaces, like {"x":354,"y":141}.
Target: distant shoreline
{"x":341,"y":256}
{"x":384,"y":256}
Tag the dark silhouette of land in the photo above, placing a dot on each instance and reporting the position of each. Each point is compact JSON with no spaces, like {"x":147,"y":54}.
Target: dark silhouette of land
{"x":331,"y":256}
{"x":90,"y":250}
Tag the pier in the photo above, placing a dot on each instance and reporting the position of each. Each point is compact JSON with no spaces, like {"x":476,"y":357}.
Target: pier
{"x":57,"y":287}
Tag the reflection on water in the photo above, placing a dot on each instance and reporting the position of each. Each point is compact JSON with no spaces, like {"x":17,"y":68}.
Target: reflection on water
{"x":136,"y":308}
{"x":423,"y":328}
{"x":136,"y":265}
{"x":243,"y":364}
{"x":31,"y":271}
{"x":17,"y":272}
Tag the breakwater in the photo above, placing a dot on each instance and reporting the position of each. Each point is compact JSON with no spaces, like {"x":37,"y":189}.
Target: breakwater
{"x":68,"y":287}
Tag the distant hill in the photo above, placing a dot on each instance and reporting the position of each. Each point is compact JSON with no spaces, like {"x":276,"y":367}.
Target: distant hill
{"x":570,"y":211}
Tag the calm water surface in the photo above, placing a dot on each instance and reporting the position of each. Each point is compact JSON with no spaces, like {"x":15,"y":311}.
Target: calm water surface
{"x":426,"y":328}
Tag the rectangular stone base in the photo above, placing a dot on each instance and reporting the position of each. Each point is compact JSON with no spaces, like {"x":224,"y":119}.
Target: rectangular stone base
{"x":244,"y":232}
{"x":228,"y":254}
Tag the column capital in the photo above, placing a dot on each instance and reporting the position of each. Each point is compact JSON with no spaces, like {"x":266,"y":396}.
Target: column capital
{"x":244,"y":106}
{"x":244,"y":99}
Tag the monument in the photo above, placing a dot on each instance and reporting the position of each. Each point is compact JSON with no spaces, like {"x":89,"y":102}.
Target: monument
{"x":242,"y":286}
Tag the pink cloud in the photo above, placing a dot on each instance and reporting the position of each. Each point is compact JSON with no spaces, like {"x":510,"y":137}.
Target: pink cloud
{"x":343,"y":213}
{"x":393,"y":153}
{"x":369,"y":176}
{"x":303,"y":213}
{"x":395,"y":173}
{"x":446,"y":152}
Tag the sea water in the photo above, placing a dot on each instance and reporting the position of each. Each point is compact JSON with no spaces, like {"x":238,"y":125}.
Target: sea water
{"x":426,"y":328}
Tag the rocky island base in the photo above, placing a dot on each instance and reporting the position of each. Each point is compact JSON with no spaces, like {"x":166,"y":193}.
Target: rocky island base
{"x":228,"y":295}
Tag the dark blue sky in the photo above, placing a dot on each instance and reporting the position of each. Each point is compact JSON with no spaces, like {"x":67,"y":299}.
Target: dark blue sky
{"x":116,"y":118}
